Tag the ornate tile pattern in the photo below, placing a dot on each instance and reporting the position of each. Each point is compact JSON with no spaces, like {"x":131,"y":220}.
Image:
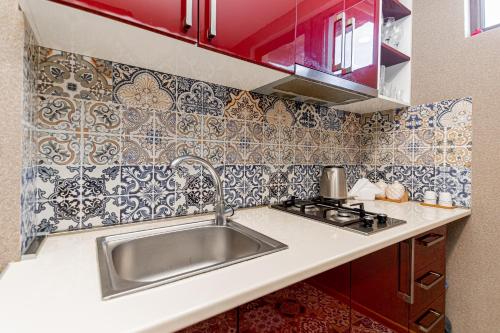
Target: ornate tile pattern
{"x":100,"y":136}
{"x":427,"y":147}
{"x":67,"y":74}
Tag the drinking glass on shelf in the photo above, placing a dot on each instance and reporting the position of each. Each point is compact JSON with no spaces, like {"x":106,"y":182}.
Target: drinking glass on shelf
{"x":387,"y":29}
{"x":382,"y":79}
{"x":396,"y":35}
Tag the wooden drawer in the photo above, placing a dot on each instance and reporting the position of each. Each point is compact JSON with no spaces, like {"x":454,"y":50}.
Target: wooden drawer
{"x":429,"y":285}
{"x":431,"y":319}
{"x":429,"y":247}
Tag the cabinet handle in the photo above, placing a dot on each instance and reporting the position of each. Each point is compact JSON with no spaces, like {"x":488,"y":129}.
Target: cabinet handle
{"x":350,"y":23}
{"x":212,"y":30}
{"x":438,"y":317}
{"x":431,"y":239}
{"x":408,"y":298}
{"x":337,"y":66}
{"x":188,"y":21}
{"x":437,"y":278}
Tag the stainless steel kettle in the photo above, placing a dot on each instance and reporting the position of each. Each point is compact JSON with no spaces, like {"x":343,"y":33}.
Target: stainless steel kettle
{"x":333,"y":184}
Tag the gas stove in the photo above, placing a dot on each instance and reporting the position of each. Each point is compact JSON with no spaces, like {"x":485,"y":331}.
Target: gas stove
{"x":337,"y":213}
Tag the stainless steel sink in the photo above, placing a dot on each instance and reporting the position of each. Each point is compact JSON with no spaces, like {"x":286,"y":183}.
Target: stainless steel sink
{"x":141,"y":260}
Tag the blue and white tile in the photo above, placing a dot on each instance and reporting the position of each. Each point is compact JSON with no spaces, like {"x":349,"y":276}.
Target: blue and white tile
{"x":200,"y":97}
{"x":276,"y":193}
{"x":58,"y":215}
{"x":330,"y":119}
{"x":423,"y":175}
{"x":418,"y":190}
{"x":385,"y":173}
{"x":188,"y":177}
{"x":99,"y":211}
{"x":253,"y":176}
{"x":58,"y":182}
{"x":135,"y":208}
{"x":164,"y":205}
{"x":187,"y":203}
{"x":99,"y":181}
{"x":164,"y":179}
{"x":277,"y":174}
{"x":235,"y":197}
{"x":307,"y":115}
{"x":234,"y":176}
{"x":299,"y":191}
{"x":136,"y":180}
{"x":403,"y":174}
{"x":253,"y":196}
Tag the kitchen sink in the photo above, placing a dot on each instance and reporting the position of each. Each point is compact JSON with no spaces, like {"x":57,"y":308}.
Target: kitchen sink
{"x":140,"y":260}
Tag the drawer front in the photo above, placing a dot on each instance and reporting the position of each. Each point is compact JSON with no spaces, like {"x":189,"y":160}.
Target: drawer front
{"x":429,"y":247}
{"x":429,"y":285}
{"x":431,"y":319}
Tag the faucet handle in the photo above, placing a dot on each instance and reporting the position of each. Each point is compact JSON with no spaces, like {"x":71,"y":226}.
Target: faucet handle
{"x":228,"y":210}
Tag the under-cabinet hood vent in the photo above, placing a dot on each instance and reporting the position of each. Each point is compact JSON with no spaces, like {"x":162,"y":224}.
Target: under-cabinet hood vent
{"x":312,"y":86}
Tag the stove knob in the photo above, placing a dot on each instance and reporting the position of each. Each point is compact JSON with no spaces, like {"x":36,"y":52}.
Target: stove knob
{"x":382,"y":218}
{"x":368,"y":221}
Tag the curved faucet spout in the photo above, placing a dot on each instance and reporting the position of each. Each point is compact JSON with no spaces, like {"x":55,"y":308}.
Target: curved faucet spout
{"x":220,"y":218}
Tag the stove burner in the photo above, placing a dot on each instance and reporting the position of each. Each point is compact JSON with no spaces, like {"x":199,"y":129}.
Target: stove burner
{"x":343,"y":213}
{"x":334,"y":212}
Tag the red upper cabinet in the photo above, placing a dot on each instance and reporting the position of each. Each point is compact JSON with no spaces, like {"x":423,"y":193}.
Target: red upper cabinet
{"x":361,"y":43}
{"x":174,"y":18}
{"x":339,"y":37}
{"x":260,"y":31}
{"x":319,"y":40}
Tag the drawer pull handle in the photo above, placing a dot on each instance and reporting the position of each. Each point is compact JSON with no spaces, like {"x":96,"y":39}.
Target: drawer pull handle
{"x":188,"y":21}
{"x":431,"y":239}
{"x":437,"y":318}
{"x":426,"y":286}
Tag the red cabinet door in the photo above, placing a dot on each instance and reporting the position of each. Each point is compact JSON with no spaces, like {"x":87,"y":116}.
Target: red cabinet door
{"x":361,"y":42}
{"x":260,"y":31}
{"x":175,"y":18}
{"x":339,"y":37}
{"x":376,"y":282}
{"x":319,"y":40}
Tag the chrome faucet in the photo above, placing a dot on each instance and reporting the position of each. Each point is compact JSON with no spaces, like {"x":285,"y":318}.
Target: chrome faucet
{"x":220,"y":217}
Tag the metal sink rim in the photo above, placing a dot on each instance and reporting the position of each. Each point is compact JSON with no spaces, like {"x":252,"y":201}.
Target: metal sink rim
{"x":112,"y":285}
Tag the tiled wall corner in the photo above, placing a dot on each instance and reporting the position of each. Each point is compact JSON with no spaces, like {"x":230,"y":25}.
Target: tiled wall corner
{"x":426,"y":147}
{"x":28,"y":177}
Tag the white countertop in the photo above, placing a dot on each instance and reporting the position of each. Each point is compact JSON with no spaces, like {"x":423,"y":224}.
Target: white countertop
{"x":59,"y":291}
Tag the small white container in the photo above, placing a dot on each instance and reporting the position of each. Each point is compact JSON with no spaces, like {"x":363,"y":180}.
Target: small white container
{"x":445,"y":199}
{"x":430,"y":197}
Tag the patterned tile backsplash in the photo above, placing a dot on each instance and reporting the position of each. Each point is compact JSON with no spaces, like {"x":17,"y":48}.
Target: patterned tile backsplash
{"x":100,"y":137}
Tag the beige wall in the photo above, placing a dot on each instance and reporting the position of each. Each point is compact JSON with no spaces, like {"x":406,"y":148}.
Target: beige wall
{"x":445,"y":65}
{"x":11,"y":79}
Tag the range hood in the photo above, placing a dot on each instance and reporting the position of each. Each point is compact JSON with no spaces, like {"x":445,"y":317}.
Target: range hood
{"x":313,"y":86}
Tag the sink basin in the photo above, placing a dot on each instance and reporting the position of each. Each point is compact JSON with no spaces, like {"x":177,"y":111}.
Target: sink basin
{"x":144,"y":259}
